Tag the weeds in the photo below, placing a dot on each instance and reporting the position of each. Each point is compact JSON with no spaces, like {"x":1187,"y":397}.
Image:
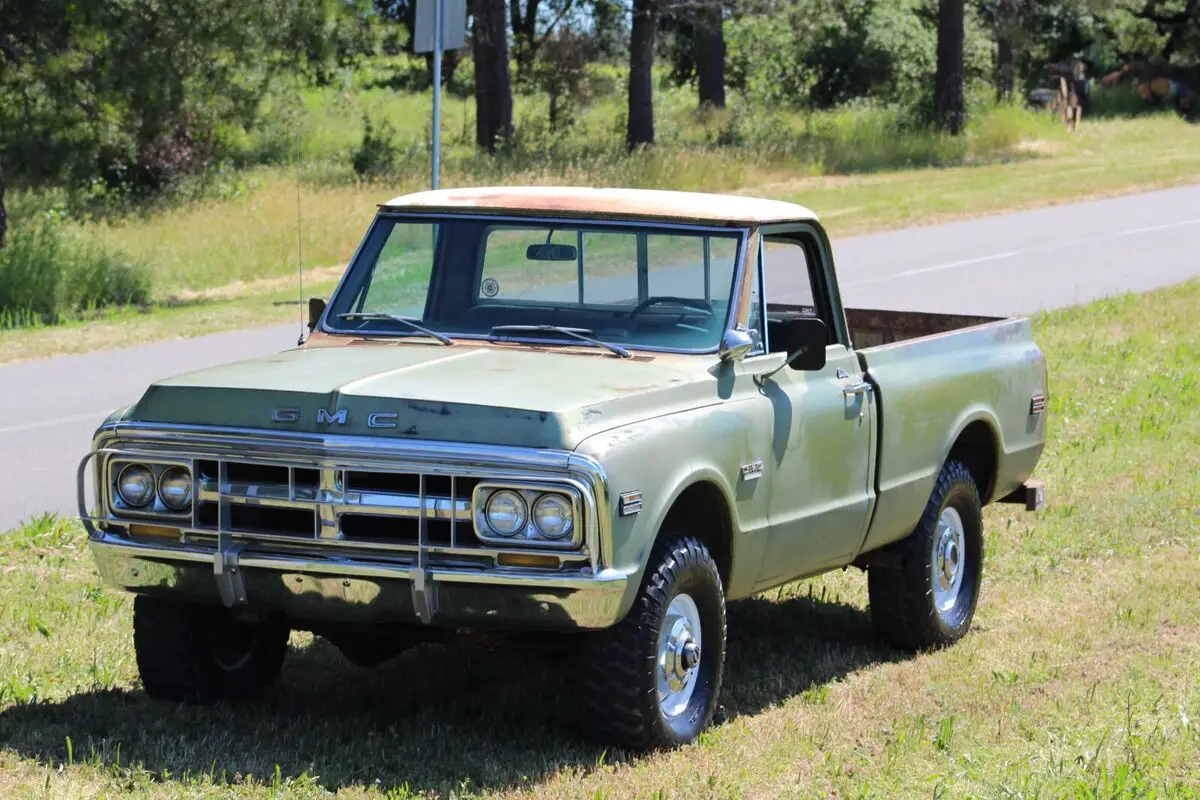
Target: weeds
{"x":378,"y":152}
{"x":48,"y":272}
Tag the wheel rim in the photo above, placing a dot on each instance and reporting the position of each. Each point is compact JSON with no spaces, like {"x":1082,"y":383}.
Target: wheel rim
{"x":949,"y":561}
{"x":679,"y":654}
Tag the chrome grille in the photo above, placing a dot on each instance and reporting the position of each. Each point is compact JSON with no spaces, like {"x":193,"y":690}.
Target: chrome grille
{"x":344,"y":504}
{"x":404,"y":502}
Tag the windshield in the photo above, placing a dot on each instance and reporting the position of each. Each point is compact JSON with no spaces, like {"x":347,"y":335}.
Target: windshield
{"x":638,"y":286}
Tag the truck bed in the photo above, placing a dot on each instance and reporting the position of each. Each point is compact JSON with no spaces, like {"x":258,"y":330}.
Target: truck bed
{"x":873,"y":327}
{"x":938,"y":377}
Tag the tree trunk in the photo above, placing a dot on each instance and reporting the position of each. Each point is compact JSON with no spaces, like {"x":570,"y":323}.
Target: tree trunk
{"x":1004,"y":66}
{"x":1006,"y":27}
{"x":450,"y":61}
{"x":493,"y":83}
{"x":948,"y":82}
{"x":553,"y":95}
{"x":710,"y":54}
{"x":524,"y":31}
{"x":3,"y":212}
{"x":641,"y":81}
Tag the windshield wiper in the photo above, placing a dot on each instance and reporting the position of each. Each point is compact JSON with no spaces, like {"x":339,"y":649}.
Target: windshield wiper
{"x":582,"y":334}
{"x":409,"y":321}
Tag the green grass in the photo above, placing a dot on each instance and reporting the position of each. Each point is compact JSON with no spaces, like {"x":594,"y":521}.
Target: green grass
{"x":1081,"y":678}
{"x":244,"y":246}
{"x":218,"y":242}
{"x":254,"y":235}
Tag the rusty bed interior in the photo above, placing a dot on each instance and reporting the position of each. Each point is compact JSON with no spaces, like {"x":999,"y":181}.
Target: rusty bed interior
{"x":875,"y":327}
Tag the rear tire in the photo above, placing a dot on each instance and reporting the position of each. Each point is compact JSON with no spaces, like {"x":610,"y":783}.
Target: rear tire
{"x":928,"y":600}
{"x":203,"y":654}
{"x":652,"y":680}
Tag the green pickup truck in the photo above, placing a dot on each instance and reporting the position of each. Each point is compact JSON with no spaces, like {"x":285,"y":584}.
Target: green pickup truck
{"x":589,"y":415}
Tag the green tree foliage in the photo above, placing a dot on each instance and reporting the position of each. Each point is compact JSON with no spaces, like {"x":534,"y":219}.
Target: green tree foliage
{"x":821,"y":53}
{"x":141,"y":93}
{"x":561,"y":73}
{"x":377,"y":153}
{"x":136,"y":92}
{"x":1103,"y":33}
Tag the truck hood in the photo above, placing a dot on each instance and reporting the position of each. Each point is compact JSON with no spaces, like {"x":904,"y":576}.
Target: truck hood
{"x":486,"y":395}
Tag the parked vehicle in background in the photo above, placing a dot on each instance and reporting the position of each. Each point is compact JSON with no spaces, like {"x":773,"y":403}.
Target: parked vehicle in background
{"x":596,"y":415}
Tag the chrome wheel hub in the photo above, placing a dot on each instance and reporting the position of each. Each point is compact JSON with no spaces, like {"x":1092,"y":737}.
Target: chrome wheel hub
{"x":949,"y":560}
{"x":679,"y":654}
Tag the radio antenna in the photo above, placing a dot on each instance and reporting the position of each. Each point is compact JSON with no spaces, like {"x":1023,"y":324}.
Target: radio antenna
{"x":299,"y":242}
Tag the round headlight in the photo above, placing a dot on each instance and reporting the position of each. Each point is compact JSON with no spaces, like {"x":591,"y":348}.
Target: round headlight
{"x":175,"y":488}
{"x":506,"y":513}
{"x":553,"y":517}
{"x":135,"y":485}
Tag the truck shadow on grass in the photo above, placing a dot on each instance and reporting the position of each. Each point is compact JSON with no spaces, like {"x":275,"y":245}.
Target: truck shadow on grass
{"x":433,"y":719}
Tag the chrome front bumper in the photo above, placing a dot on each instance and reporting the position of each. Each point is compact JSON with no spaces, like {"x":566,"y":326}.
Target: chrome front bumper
{"x":308,"y":588}
{"x":323,"y":577}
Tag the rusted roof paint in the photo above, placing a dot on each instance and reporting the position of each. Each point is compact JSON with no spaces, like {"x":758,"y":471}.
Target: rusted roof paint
{"x":719,"y":209}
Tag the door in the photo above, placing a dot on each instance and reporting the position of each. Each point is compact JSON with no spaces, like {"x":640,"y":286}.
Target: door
{"x":822,"y":443}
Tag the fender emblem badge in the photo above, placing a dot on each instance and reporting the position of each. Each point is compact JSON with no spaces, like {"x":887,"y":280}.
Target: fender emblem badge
{"x":752,"y":471}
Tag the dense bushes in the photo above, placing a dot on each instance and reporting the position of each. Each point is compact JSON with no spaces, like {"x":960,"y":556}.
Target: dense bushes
{"x":822,"y":53}
{"x":49,"y":272}
{"x":132,"y":92}
{"x":378,"y":152}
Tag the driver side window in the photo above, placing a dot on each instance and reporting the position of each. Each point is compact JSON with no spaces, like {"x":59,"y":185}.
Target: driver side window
{"x":787,"y":281}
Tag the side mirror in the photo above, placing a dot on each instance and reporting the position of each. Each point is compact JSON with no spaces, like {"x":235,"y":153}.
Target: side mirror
{"x":735,"y":345}
{"x":316,"y":309}
{"x":804,"y":339}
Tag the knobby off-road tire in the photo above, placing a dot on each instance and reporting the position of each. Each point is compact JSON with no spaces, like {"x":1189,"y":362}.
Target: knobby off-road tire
{"x":928,"y":601}
{"x":202,"y":654}
{"x":652,"y":681}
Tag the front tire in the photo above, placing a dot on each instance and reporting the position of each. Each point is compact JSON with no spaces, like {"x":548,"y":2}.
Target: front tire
{"x":652,"y":680}
{"x":203,"y":654}
{"x":928,"y":599}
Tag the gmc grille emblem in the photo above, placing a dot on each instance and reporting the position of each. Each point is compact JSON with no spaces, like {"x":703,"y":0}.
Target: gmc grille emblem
{"x":324,"y":417}
{"x":285,"y":415}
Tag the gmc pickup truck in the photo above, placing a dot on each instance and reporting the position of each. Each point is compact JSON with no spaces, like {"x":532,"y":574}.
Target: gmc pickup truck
{"x":587,"y":414}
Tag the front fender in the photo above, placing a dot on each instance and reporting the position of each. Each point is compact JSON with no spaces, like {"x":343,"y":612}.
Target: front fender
{"x":662,"y":458}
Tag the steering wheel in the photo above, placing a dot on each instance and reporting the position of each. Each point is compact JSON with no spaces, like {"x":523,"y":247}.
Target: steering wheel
{"x":659,"y":299}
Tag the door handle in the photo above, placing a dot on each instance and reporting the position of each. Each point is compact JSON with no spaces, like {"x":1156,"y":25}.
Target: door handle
{"x":862,"y":387}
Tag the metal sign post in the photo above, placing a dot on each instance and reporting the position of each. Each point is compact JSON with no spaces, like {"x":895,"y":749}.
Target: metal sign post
{"x":437,"y":90}
{"x":440,"y":26}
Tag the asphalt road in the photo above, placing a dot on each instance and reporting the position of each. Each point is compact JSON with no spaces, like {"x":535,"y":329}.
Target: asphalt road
{"x":1003,"y":265}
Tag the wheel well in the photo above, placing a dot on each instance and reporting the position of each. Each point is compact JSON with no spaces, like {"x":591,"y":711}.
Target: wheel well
{"x":976,"y":449}
{"x":701,"y":511}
